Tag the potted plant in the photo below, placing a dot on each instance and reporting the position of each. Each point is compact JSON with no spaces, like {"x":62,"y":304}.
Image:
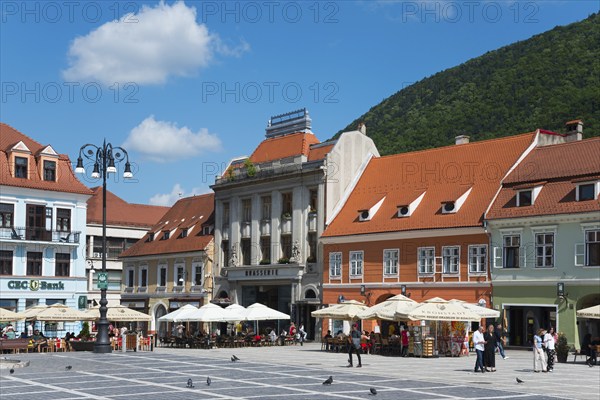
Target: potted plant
{"x":286,"y":215}
{"x":250,"y":168}
{"x":562,"y":348}
{"x":283,"y":260}
{"x":266,"y":261}
{"x":311,"y":259}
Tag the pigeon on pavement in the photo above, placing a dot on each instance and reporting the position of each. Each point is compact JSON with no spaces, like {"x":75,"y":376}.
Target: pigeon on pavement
{"x":12,"y":371}
{"x":208,"y":380}
{"x":68,"y":367}
{"x":373,"y":391}
{"x":233,"y":357}
{"x":190,"y":384}
{"x":519,"y":381}
{"x":329,"y":381}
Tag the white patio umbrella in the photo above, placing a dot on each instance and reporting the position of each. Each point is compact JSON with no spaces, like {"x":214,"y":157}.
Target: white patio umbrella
{"x":438,"y":309}
{"x":207,"y":313}
{"x":348,"y":310}
{"x":120,"y":314}
{"x":172,"y":316}
{"x":260,"y":312}
{"x":234,"y":312}
{"x":56,"y":313}
{"x":590,"y":312}
{"x":9,"y":316}
{"x":389,"y":308}
{"x":483,"y":312}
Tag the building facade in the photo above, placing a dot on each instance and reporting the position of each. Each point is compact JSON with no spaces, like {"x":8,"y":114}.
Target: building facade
{"x":545,"y":233}
{"x":172,"y":264}
{"x":42,"y":228}
{"x":270,"y":210}
{"x":125,"y":224}
{"x":413,"y":225}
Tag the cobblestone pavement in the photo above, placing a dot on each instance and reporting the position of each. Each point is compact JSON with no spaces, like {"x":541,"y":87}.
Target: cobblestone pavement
{"x":291,"y":372}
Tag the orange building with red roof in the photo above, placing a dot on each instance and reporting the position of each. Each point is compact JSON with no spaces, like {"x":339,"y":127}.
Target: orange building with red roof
{"x":414,"y":224}
{"x":172,"y":264}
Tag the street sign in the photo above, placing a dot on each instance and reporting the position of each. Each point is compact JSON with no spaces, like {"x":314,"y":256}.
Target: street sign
{"x":102,"y":280}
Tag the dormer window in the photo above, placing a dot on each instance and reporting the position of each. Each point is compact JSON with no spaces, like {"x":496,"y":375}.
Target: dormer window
{"x":403,"y":211}
{"x":21,"y":164}
{"x":586,"y":191}
{"x":150,"y":237}
{"x":207,"y":230}
{"x":449,"y":207}
{"x":184,"y":233}
{"x":165,"y":235}
{"x":49,"y":170}
{"x":363,"y":215}
{"x":524,"y":198}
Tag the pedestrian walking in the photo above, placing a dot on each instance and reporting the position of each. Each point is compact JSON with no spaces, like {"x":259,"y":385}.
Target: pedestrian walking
{"x":539,"y":355}
{"x":354,"y":346}
{"x":489,"y":353}
{"x":501,"y":340}
{"x":549,"y":342}
{"x":479,"y":343}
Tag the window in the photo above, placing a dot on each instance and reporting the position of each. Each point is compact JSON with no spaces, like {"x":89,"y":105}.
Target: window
{"x":49,"y":170}
{"x":511,"y":251}
{"x":524,"y":198}
{"x":266,"y":208}
{"x":7,"y":215}
{"x":150,"y":237}
{"x":312,"y":247}
{"x":6,"y":262}
{"x":265,"y":248}
{"x":544,"y":250}
{"x":184,"y":233}
{"x":225,"y":214}
{"x":335,"y":265}
{"x":63,"y":219}
{"x":586,"y":191}
{"x":162,"y":275}
{"x":207,"y":230}
{"x":286,"y":203}
{"x":426,"y":260}
{"x":143,"y":277}
{"x":477,"y":259}
{"x":286,"y":246}
{"x":179,"y":275}
{"x":390,"y":262}
{"x":246,"y":210}
{"x":197,"y":267}
{"x":450,"y":259}
{"x":130,"y":277}
{"x":63,"y":264}
{"x":246,"y":251}
{"x":21,"y":165}
{"x":356,"y":263}
{"x":34,"y":263}
{"x":225,"y":252}
{"x":314,"y":200}
{"x":165,"y":235}
{"x":592,"y":248}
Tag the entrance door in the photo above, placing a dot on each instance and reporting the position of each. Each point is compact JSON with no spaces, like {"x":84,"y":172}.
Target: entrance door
{"x":524,"y":321}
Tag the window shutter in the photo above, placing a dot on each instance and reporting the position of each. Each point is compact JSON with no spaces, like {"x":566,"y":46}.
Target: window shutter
{"x":579,"y":254}
{"x":522,"y":257}
{"x":497,"y":256}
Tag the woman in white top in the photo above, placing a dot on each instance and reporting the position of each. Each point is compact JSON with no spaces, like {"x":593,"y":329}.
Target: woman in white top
{"x":549,"y":342}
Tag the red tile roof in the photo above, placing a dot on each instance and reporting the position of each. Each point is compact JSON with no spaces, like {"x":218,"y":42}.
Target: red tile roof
{"x":560,"y":167}
{"x":319,"y":152}
{"x":66,"y":179}
{"x":443,"y":173}
{"x":571,"y":159}
{"x":121,"y":213}
{"x":279,"y":147}
{"x":196,"y":211}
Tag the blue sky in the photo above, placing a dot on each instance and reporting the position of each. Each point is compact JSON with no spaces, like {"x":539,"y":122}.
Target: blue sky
{"x":186,"y":86}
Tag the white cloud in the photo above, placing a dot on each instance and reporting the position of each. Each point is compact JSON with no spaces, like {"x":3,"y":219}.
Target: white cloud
{"x":147,"y":47}
{"x":178,"y":192}
{"x":164,"y":141}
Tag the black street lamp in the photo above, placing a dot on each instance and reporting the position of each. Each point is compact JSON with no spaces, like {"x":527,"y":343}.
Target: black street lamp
{"x":104,"y":158}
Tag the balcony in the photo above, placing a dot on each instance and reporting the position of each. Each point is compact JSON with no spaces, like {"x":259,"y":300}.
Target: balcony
{"x":39,"y":235}
{"x":286,"y":225}
{"x":246,"y":232}
{"x":225,"y":232}
{"x":312,"y":222}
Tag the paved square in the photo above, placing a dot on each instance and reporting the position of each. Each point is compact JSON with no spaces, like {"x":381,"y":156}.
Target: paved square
{"x":292,"y":372}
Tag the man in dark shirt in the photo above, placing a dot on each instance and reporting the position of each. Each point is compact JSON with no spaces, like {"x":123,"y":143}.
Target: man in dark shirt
{"x":500,"y":340}
{"x":354,"y":346}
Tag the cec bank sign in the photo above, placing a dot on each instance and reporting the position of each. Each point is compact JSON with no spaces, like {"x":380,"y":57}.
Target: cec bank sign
{"x":35,"y":284}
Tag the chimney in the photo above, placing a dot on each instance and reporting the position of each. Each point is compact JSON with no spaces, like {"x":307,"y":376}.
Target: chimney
{"x":574,"y":130}
{"x":362,"y":128}
{"x":462,"y":139}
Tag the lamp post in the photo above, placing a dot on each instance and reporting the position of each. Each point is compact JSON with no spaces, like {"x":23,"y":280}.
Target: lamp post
{"x":104,"y":158}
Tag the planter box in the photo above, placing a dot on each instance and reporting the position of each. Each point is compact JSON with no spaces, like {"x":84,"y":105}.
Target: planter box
{"x":82,"y":345}
{"x":245,"y":230}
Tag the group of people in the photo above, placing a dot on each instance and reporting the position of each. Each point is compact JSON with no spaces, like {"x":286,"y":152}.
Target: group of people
{"x":544,"y":342}
{"x":588,"y":348}
{"x":486,"y":342}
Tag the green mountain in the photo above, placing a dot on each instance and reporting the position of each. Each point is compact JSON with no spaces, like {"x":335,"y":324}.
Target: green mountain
{"x":541,"y":82}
